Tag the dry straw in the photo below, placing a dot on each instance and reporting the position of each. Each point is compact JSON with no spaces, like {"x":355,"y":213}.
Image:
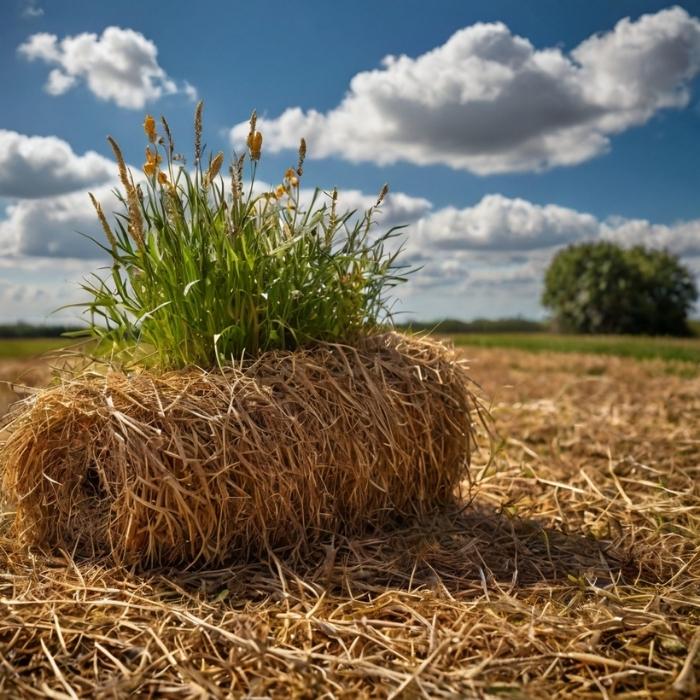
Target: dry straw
{"x":196,"y":468}
{"x":575,"y":573}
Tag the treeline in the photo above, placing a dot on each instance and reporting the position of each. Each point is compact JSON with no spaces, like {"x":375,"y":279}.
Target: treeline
{"x":28,"y":330}
{"x":447,"y":326}
{"x":479,"y":325}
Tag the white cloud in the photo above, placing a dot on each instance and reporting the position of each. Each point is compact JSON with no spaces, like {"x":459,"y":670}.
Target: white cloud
{"x":397,"y":208}
{"x":51,"y":227}
{"x":507,"y":243}
{"x":190,"y":91}
{"x":42,"y":166}
{"x":479,"y":259}
{"x":499,"y":223}
{"x":31,"y":10}
{"x":37,"y":300}
{"x":120,"y":66}
{"x":489,"y":102}
{"x":682,"y":238}
{"x":22,"y":294}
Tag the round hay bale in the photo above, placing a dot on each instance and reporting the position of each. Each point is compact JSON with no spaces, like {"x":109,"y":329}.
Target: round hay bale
{"x":195,"y":467}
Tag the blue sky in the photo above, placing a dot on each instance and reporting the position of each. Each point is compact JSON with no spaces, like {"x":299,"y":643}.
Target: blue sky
{"x":505,"y":129}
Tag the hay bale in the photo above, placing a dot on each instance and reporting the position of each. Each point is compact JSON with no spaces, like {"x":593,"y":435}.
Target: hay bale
{"x":195,"y":467}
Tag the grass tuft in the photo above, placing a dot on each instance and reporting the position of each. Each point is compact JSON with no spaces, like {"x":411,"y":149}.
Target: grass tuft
{"x":205,"y":272}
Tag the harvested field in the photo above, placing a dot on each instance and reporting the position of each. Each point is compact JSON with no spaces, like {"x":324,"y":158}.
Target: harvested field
{"x":17,"y":373}
{"x":574,"y":571}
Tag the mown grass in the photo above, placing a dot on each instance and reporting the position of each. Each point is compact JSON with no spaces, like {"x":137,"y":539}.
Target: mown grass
{"x":640,"y":348}
{"x":24,"y":348}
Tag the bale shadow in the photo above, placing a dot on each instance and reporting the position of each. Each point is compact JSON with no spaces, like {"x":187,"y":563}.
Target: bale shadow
{"x":458,"y":552}
{"x":455,"y":552}
{"x":478,"y":545}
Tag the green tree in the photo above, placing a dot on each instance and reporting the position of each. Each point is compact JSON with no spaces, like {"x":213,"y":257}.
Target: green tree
{"x":604,"y":288}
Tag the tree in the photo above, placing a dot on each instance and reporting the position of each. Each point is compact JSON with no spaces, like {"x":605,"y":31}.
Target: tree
{"x":604,"y":288}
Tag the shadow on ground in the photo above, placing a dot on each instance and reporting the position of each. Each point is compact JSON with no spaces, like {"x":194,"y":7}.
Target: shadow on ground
{"x":453,"y":553}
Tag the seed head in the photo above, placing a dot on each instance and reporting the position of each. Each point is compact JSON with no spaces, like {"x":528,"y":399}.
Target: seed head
{"x":198,"y":131}
{"x":132,"y":198}
{"x":382,"y":193}
{"x":255,"y":139}
{"x":123,"y":177}
{"x":150,"y":167}
{"x":149,"y":126}
{"x":215,"y":166}
{"x":334,"y":203}
{"x":168,"y":134}
{"x":302,"y":157}
{"x":237,"y":179}
{"x":103,"y":220}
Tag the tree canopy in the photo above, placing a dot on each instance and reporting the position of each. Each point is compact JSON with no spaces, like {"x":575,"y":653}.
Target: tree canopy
{"x":604,"y":288}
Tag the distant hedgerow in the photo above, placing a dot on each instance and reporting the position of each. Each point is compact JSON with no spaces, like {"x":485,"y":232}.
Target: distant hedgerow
{"x":206,"y":270}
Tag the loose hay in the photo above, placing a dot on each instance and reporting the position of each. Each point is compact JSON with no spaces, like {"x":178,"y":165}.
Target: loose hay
{"x":195,"y":467}
{"x":575,"y":573}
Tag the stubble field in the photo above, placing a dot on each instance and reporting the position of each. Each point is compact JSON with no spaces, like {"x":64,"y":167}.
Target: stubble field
{"x":573,"y":569}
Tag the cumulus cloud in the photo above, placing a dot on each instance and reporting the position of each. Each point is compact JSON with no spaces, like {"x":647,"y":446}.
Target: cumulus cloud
{"x":496,"y":231}
{"x":51,"y":227}
{"x":681,"y":238}
{"x":43,"y":166}
{"x":23,"y":293}
{"x":31,"y":10}
{"x":488,"y":101}
{"x":498,"y":223}
{"x":502,"y":246}
{"x":491,"y":255}
{"x":37,"y":300}
{"x":120,"y":65}
{"x":397,"y":209}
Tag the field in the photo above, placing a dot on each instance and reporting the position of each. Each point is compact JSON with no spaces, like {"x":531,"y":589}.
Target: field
{"x":573,"y":569}
{"x":671,"y":349}
{"x":28,"y":348}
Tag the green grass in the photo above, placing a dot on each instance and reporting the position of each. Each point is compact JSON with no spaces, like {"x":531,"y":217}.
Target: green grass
{"x":206,"y":271}
{"x":641,"y":348}
{"x":26,"y":348}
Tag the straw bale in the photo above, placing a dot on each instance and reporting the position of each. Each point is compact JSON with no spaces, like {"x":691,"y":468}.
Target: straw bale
{"x":198,"y":467}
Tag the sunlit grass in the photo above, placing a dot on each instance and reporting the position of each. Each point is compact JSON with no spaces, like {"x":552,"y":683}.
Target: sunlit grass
{"x":205,"y":271}
{"x":25,"y":348}
{"x":671,"y":349}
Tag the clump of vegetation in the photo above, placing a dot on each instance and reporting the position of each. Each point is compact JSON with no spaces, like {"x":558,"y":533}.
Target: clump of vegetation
{"x":604,"y":288}
{"x":205,"y":270}
{"x":231,"y":440}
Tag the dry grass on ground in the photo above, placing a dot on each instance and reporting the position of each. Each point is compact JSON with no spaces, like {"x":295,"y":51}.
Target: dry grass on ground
{"x":575,"y":571}
{"x":16,"y":374}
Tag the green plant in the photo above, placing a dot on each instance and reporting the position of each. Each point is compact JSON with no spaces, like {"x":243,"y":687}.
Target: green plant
{"x":604,"y":288}
{"x":205,"y":271}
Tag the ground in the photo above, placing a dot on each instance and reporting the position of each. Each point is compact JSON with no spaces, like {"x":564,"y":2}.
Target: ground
{"x":572,"y":569}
